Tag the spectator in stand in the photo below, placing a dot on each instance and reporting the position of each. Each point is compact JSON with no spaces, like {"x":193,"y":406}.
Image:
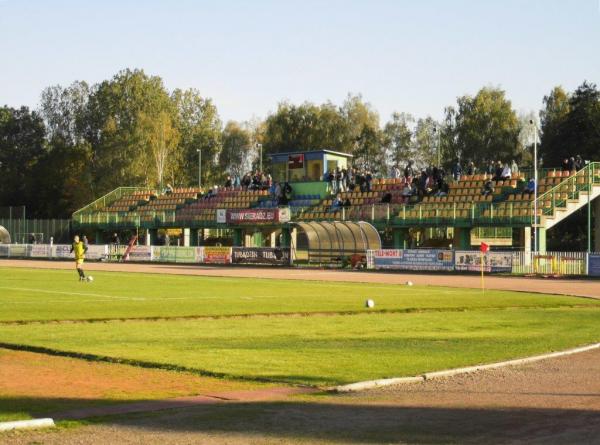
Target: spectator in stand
{"x":457,"y":170}
{"x":85,"y":241}
{"x":506,"y":172}
{"x":228,"y":182}
{"x":168,"y":189}
{"x":471,"y":170}
{"x":350,"y":184}
{"x":246,"y":181}
{"x":491,"y":168}
{"x":571,"y":163}
{"x":514,"y":167}
{"x":115,"y":239}
{"x":395,"y":172}
{"x":237,"y":183}
{"x":565,"y":165}
{"x":347,"y":203}
{"x":387,"y":198}
{"x":488,"y":188}
{"x":498,"y":171}
{"x":338,"y":179}
{"x":409,"y":171}
{"x":579,"y":163}
{"x":337,"y":203}
{"x":530,"y":188}
{"x":368,"y":180}
{"x":344,"y":185}
{"x":360,"y":181}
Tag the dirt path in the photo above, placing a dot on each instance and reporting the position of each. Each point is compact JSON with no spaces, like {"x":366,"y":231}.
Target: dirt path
{"x":550,"y":402}
{"x":579,"y":287}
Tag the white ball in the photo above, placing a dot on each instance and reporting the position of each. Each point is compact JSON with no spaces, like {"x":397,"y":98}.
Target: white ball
{"x":370,"y":303}
{"x":90,"y":278}
{"x":409,"y":283}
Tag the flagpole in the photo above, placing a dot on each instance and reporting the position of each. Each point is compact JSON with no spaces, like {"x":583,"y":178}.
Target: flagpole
{"x":482,"y":283}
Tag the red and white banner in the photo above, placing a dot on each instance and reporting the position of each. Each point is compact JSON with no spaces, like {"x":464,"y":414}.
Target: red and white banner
{"x":250,"y":216}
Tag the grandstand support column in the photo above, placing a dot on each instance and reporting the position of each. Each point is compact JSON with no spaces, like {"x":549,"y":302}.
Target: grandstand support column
{"x":152,"y":236}
{"x":186,"y":237}
{"x":193,"y":237}
{"x":400,"y":238}
{"x":462,"y":238}
{"x":99,"y":237}
{"x":238,"y":237}
{"x":541,"y":232}
{"x":525,"y":240}
{"x":286,"y":237}
{"x":597,"y":225}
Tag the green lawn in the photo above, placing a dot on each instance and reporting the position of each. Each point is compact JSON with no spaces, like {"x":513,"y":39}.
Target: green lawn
{"x":57,"y":295}
{"x":457,"y":327}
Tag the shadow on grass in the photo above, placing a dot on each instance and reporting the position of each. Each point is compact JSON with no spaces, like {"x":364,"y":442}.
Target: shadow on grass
{"x":342,"y":421}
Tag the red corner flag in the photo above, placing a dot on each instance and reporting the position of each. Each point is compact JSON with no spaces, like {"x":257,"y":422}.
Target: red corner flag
{"x":484,"y":248}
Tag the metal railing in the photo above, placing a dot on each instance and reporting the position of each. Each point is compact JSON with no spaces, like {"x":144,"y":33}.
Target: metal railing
{"x":102,"y":202}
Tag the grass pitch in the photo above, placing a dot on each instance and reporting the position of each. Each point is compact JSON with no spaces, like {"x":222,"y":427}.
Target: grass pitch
{"x":315,"y":333}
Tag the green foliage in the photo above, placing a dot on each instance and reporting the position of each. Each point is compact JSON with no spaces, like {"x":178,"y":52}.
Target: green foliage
{"x":22,"y":146}
{"x":397,"y":135}
{"x":482,"y":128}
{"x":199,"y":127}
{"x":235,"y":157}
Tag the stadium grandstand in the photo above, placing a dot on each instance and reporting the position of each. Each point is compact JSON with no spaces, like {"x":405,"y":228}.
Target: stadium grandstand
{"x":403,"y":219}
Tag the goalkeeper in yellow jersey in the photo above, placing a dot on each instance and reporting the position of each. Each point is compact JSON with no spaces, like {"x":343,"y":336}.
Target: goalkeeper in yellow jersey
{"x":79,"y":249}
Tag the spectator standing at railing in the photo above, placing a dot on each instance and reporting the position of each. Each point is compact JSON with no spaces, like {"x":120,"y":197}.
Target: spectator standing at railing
{"x":115,"y":239}
{"x":565,"y":165}
{"x":457,"y":170}
{"x":498,"y":171}
{"x":514,"y":167}
{"x":237,"y":182}
{"x":579,"y":163}
{"x":338,"y":180}
{"x":228,"y":182}
{"x":368,"y":180}
{"x":395,"y":172}
{"x":491,"y":168}
{"x":506,"y":172}
{"x":471,"y":169}
{"x":337,"y":202}
{"x":409,"y":171}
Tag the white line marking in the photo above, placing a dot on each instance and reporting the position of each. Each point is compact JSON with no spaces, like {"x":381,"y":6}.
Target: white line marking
{"x":84,"y":294}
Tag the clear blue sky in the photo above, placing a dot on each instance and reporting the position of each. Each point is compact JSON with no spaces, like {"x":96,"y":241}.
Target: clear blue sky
{"x":401,"y":55}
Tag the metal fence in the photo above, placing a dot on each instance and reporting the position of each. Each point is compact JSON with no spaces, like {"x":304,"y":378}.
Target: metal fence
{"x":21,"y":230}
{"x":550,"y":263}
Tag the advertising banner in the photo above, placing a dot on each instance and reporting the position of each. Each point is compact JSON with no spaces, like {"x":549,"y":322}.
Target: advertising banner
{"x":18,"y":250}
{"x":252,"y":216}
{"x":140,"y":253}
{"x":413,"y":259}
{"x":492,"y":261}
{"x":96,"y":252}
{"x":222,"y":216}
{"x":62,"y":251}
{"x":175,"y":254}
{"x":217,"y":255}
{"x":261,"y":255}
{"x":40,"y":251}
{"x":594,"y":265}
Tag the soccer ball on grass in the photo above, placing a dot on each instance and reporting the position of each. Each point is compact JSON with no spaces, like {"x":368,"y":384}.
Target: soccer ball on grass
{"x":89,"y":278}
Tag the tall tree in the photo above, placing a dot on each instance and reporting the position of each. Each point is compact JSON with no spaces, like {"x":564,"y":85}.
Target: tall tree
{"x":118,"y":112}
{"x":427,"y":141}
{"x":552,"y":118}
{"x":65,"y":111}
{"x":236,"y":156}
{"x":398,"y":135}
{"x":199,"y":128}
{"x":160,"y":138}
{"x":485,"y":127}
{"x":22,"y":145}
